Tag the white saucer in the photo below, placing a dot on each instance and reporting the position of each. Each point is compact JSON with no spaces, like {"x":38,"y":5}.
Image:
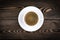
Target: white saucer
{"x":22,"y":22}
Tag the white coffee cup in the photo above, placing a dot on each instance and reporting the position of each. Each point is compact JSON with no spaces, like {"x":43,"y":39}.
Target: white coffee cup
{"x":22,"y":22}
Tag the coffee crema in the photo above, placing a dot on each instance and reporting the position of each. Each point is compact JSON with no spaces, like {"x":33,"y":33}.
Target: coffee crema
{"x":31,"y":18}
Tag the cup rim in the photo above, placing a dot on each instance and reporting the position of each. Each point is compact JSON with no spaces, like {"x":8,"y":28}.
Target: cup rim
{"x":22,"y":22}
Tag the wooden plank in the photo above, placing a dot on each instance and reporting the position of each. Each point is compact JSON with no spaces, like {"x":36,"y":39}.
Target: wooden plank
{"x":13,"y":25}
{"x":13,"y":14}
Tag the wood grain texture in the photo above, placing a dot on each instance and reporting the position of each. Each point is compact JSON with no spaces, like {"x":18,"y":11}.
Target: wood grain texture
{"x":10,"y":29}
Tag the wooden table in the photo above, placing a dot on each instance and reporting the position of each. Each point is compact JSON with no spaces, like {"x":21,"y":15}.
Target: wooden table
{"x":10,"y":29}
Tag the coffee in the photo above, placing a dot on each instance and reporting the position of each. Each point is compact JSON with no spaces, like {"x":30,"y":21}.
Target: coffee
{"x":31,"y":18}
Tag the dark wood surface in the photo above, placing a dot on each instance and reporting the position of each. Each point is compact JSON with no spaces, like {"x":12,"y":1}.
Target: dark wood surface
{"x":10,"y":29}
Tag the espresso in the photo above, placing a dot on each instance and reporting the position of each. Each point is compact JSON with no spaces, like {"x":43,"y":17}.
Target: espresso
{"x":31,"y":18}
